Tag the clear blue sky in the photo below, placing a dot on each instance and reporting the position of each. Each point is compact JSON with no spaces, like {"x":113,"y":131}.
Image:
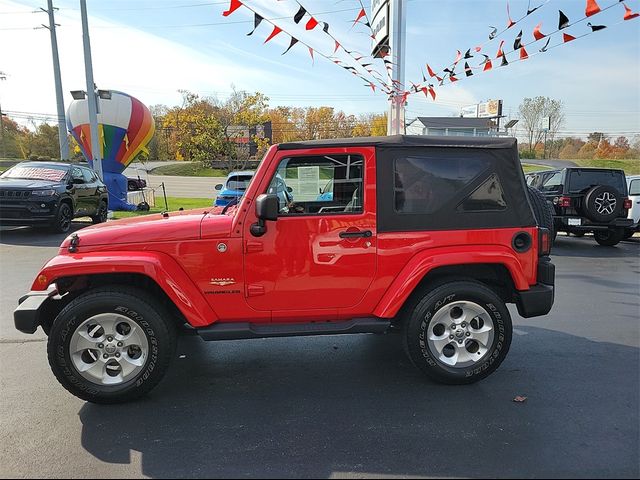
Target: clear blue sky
{"x":153,"y":48}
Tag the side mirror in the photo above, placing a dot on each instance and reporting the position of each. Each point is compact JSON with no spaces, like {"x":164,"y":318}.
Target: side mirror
{"x":218,"y":186}
{"x":267,"y":207}
{"x":289,"y":189}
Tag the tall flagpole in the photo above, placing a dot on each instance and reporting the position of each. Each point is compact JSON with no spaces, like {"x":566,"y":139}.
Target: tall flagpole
{"x":397,"y":48}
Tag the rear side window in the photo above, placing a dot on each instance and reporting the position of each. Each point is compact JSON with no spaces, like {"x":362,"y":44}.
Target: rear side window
{"x":552,"y":182}
{"x":634,"y":187}
{"x":582,"y":180}
{"x":424,"y":184}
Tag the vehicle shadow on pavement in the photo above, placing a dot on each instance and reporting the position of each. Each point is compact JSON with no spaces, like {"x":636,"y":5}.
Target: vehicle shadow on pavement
{"x":36,"y":237}
{"x":338,"y":406}
{"x":587,"y":247}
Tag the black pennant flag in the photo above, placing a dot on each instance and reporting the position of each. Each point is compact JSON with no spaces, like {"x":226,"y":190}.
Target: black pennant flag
{"x":564,"y":21}
{"x":293,"y":42}
{"x":595,"y":28}
{"x":467,"y":70}
{"x":325,"y":29}
{"x":468,"y":54}
{"x":546,"y":45}
{"x":531,"y":10}
{"x":518,"y":43}
{"x":298,"y":16}
{"x":504,"y":61}
{"x":493,"y":33}
{"x":256,"y":21}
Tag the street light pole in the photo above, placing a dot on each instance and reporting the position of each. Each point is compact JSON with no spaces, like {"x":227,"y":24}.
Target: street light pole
{"x":3,"y":76}
{"x":92,"y":97}
{"x":397,"y":47}
{"x":62,"y":124}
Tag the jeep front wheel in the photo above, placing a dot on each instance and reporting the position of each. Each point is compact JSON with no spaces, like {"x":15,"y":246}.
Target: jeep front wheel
{"x":111,"y":345}
{"x":458,"y":333}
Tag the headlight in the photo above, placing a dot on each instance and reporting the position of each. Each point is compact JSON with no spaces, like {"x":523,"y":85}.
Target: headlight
{"x":43,"y":193}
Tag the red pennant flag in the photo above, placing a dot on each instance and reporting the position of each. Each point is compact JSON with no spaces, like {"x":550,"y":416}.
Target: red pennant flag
{"x":403,"y":97}
{"x":276,"y":31}
{"x":425,"y":90}
{"x":510,"y":23}
{"x":337,"y":47}
{"x":628,"y":13}
{"x":537,"y":33}
{"x":458,"y":57}
{"x":373,"y":87}
{"x":487,"y":65}
{"x":500,"y":52}
{"x":431,"y":74}
{"x":235,"y":4}
{"x":592,"y":8}
{"x":479,"y":49}
{"x":360,"y":15}
{"x":567,"y":38}
{"x":438,"y":78}
{"x":432,"y":92}
{"x":311,"y":24}
{"x":523,"y":54}
{"x":313,"y":60}
{"x":453,"y":78}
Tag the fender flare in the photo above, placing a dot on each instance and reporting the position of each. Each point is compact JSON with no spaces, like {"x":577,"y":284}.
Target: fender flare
{"x":159,"y":267}
{"x":427,"y":260}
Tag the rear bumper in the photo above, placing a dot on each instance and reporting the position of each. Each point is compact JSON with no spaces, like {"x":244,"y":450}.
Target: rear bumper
{"x":27,"y":316}
{"x":538,"y":300}
{"x":562,"y":223}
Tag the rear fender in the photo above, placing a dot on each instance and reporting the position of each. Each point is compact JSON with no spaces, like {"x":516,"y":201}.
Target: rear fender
{"x":159,"y":267}
{"x":424,"y":262}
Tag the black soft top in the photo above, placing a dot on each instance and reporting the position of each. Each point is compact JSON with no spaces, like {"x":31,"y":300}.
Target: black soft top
{"x":406,"y":141}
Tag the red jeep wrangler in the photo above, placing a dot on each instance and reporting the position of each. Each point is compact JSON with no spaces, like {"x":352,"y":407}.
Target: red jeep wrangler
{"x":426,"y":236}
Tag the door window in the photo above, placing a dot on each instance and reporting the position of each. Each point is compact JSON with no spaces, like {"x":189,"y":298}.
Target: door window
{"x":328,"y":184}
{"x":634,"y":187}
{"x":77,"y":176}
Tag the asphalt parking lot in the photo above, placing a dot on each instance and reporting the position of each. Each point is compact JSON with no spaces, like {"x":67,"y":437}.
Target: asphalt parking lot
{"x":349,"y":406}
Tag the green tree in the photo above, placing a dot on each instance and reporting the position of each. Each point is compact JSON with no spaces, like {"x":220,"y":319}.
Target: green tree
{"x":533,"y":111}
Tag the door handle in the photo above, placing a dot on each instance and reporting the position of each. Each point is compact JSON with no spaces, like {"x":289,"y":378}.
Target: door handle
{"x":358,"y":234}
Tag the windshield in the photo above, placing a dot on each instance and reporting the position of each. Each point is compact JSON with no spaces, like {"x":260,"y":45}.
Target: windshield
{"x":51,"y":173}
{"x":582,"y":180}
{"x":239,"y":182}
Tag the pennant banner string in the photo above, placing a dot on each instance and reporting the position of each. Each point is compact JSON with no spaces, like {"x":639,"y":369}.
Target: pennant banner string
{"x":546,"y":47}
{"x":337,"y":42}
{"x":235,"y":4}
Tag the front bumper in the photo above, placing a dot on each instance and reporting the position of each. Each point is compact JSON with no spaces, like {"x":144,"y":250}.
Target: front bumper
{"x":28,"y":212}
{"x":538,"y":300}
{"x":27,"y":317}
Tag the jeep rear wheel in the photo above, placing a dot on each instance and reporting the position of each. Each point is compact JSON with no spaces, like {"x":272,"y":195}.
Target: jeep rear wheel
{"x":111,"y":345}
{"x":542,"y":210}
{"x":610,"y":237}
{"x":458,"y":333}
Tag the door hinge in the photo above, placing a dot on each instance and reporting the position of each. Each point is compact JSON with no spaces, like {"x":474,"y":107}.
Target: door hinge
{"x":255,"y":290}
{"x":251,"y":247}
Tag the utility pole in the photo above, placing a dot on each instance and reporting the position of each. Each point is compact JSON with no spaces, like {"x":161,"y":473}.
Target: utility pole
{"x":92,"y":97}
{"x":62,"y":124}
{"x":397,"y":47}
{"x":3,"y":76}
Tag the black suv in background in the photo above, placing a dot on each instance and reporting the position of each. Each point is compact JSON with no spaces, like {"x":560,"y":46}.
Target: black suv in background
{"x":51,"y":194}
{"x":586,"y":200}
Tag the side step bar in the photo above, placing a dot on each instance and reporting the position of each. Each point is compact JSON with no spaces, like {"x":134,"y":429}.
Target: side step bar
{"x":238,"y":331}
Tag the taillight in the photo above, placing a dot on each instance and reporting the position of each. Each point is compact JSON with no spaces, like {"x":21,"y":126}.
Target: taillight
{"x":564,"y":202}
{"x":544,"y":242}
{"x":628,"y":203}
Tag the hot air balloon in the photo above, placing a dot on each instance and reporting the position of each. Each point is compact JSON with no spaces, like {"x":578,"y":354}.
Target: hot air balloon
{"x":125,"y":127}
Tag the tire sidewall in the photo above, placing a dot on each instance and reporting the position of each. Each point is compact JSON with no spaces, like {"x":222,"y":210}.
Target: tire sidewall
{"x":64,"y":206}
{"x":79,"y":310}
{"x":591,"y":208}
{"x":101,"y":215}
{"x":420,"y":323}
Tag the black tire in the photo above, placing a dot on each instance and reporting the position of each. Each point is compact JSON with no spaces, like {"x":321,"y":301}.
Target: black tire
{"x":610,"y":237}
{"x":101,"y":213}
{"x":418,"y":325}
{"x":603,"y":203}
{"x":62,"y":222}
{"x":139,"y":308}
{"x":542,"y":210}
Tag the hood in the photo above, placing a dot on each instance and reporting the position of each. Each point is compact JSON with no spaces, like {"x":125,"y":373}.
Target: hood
{"x":26,"y":183}
{"x":157,"y":227}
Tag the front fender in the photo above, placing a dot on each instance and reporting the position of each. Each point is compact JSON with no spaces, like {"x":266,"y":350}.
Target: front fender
{"x":427,"y":260}
{"x":159,"y":267}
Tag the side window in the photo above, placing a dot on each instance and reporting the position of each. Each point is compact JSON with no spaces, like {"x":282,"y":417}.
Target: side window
{"x":425,"y":184}
{"x":319,"y":185}
{"x":488,"y":196}
{"x":552,"y":182}
{"x":634,"y":187}
{"x":89,"y":176}
{"x":77,"y":176}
